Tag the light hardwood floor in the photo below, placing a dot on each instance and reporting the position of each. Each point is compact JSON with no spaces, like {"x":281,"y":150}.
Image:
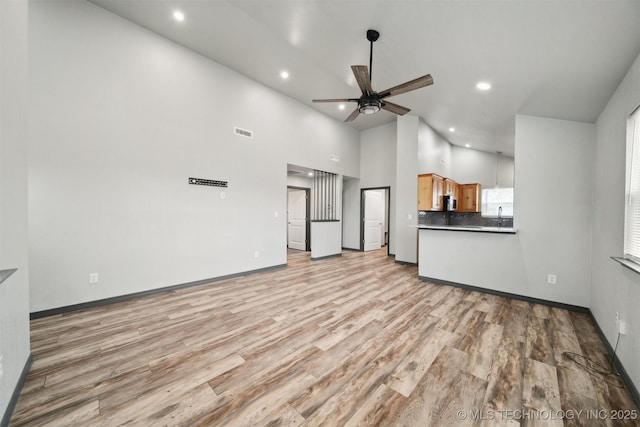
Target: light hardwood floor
{"x":351,"y":340}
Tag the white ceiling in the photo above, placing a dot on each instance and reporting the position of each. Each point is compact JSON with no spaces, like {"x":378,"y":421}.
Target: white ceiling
{"x":553,"y":58}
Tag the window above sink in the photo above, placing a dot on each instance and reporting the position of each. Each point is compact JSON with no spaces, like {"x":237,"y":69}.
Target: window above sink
{"x":495,"y":198}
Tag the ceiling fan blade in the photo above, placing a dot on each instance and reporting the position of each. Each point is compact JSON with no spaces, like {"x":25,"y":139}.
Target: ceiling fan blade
{"x":408,"y":86}
{"x":353,"y":115}
{"x":395,"y":108}
{"x":361,"y":74}
{"x":335,"y":100}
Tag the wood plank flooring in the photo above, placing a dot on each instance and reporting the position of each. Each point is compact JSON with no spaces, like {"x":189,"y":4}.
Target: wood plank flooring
{"x":351,"y":340}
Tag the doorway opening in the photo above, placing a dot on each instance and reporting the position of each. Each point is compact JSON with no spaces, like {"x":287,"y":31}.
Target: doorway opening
{"x":298,"y":218}
{"x":374,"y":218}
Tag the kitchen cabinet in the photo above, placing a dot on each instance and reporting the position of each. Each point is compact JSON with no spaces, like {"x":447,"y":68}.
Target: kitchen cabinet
{"x":450,"y":187}
{"x":469,"y":198}
{"x":430,"y":191}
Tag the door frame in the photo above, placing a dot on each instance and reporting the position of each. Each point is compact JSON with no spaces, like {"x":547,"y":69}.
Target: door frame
{"x":307,"y":227}
{"x":387,"y":214}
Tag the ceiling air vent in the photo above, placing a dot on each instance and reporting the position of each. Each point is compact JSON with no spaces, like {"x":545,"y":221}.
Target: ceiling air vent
{"x":243,"y":132}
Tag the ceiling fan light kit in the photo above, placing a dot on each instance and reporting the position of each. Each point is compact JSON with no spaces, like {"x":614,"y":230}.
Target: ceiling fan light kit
{"x":370,"y":102}
{"x":370,"y":106}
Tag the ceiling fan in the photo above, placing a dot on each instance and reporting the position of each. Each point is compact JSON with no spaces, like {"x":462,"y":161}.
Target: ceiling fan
{"x":371,"y":101}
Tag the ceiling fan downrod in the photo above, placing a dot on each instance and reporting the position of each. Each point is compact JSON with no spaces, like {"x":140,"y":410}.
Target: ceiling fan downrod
{"x":372,"y":36}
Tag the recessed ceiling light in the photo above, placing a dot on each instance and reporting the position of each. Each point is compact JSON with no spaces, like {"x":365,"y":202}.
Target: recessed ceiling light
{"x":341,"y":106}
{"x":483,"y":86}
{"x":284,"y":74}
{"x":452,"y":129}
{"x":467,"y":145}
{"x":310,"y":173}
{"x":178,"y":15}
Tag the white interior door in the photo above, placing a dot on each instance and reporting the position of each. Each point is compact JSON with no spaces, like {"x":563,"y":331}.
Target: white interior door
{"x":297,"y":219}
{"x":373,"y":211}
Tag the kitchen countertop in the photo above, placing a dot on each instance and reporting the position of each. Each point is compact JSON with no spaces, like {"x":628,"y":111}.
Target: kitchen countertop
{"x":473,"y":228}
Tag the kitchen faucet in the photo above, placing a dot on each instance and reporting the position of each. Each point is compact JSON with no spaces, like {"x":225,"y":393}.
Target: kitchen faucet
{"x":500,"y":216}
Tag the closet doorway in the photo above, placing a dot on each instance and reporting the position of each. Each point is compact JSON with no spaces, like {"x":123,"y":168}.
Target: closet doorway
{"x":374,"y":218}
{"x":298,"y":212}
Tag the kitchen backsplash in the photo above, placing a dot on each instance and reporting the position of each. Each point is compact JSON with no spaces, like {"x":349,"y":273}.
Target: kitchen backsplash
{"x":460,"y":218}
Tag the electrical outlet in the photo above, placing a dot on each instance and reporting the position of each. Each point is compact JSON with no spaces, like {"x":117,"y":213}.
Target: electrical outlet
{"x":256,"y":254}
{"x":622,"y":327}
{"x":552,"y":279}
{"x":93,"y":278}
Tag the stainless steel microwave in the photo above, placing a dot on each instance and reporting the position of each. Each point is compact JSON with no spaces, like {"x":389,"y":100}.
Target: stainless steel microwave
{"x":450,"y":203}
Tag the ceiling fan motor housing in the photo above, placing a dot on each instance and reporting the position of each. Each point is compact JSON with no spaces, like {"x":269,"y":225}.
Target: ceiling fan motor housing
{"x":369,"y":106}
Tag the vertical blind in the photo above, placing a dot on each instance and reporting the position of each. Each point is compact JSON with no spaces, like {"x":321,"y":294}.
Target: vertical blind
{"x":324,"y":190}
{"x":632,"y":210}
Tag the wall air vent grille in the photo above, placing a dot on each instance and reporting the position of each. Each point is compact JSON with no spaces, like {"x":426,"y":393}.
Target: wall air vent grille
{"x":243,"y":132}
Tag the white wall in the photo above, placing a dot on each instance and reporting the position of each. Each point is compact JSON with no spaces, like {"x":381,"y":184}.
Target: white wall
{"x":614,"y":288}
{"x":378,"y":156}
{"x":553,"y":204}
{"x":326,"y":238}
{"x":406,"y":202}
{"x":378,"y":169}
{"x":414,"y":136}
{"x":14,"y":292}
{"x":553,"y":199}
{"x":471,"y":166}
{"x":351,"y":213}
{"x":119,"y":119}
{"x":434,"y":152}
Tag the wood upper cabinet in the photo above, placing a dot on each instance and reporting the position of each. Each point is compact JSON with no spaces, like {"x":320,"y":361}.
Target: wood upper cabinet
{"x":430,"y":191}
{"x":450,"y":187}
{"x":469,"y":198}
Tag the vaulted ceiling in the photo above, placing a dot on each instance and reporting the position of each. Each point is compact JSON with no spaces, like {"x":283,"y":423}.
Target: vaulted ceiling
{"x":560,"y":59}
